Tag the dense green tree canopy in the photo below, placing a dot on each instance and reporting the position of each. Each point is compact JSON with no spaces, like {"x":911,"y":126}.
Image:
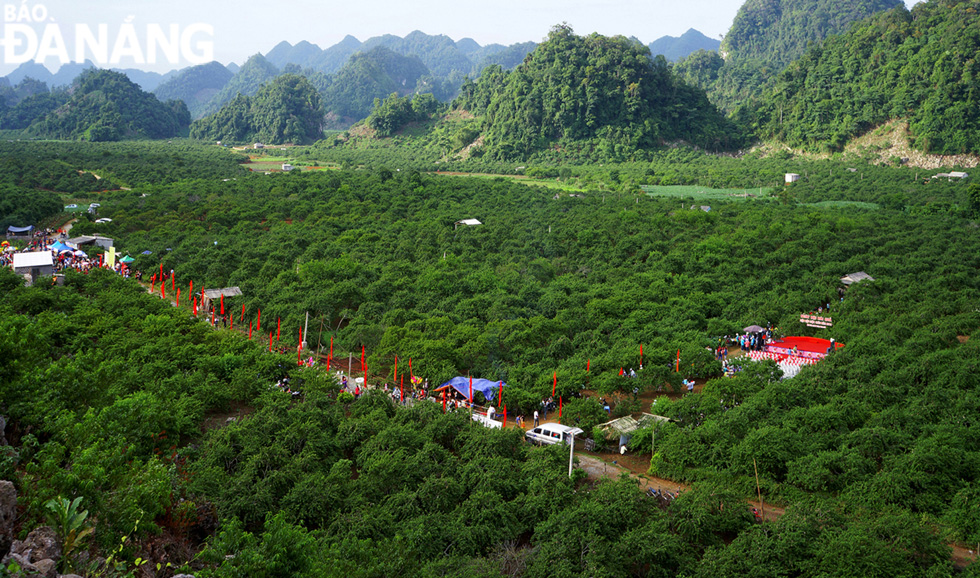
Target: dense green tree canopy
{"x":106,"y":106}
{"x":286,"y":110}
{"x":918,"y":66}
{"x":766,"y":35}
{"x":574,"y":88}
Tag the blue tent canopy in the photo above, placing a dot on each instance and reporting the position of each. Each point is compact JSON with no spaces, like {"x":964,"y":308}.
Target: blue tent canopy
{"x":485,"y":386}
{"x":61,"y":247}
{"x":17,"y":230}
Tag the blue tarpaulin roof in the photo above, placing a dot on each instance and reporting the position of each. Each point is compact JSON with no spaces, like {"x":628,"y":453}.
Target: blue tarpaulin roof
{"x":13,"y":229}
{"x":60,"y":247}
{"x":485,"y":386}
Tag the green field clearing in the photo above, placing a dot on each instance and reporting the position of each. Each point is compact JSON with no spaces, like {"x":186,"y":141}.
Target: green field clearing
{"x":706,"y":193}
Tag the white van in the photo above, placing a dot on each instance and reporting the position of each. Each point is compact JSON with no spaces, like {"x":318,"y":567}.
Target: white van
{"x":552,"y":433}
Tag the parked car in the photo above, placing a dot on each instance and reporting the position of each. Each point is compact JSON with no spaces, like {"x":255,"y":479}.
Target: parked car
{"x":94,"y":206}
{"x":103,"y":220}
{"x":71,"y":206}
{"x":552,"y":433}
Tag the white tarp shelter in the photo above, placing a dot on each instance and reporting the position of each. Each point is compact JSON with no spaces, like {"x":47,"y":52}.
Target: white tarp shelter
{"x":467,"y":223}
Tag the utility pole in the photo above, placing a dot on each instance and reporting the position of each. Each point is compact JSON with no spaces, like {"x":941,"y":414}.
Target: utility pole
{"x":571,"y":455}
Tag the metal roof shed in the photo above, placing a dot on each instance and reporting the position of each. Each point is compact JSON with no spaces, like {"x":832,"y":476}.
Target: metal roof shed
{"x":215,"y":294}
{"x":34,"y":265}
{"x":467,"y":223}
{"x":852,"y":278}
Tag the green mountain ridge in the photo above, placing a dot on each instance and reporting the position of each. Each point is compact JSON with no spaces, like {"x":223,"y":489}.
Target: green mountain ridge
{"x":288,"y":109}
{"x":574,"y":88}
{"x":765,"y":36}
{"x":918,"y":65}
{"x":105,"y":106}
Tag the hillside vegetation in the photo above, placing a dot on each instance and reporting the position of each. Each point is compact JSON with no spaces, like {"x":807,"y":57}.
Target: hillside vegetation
{"x":918,"y":65}
{"x":602,"y":92}
{"x":765,"y":36}
{"x":874,"y":446}
{"x":288,"y":109}
{"x":106,"y":106}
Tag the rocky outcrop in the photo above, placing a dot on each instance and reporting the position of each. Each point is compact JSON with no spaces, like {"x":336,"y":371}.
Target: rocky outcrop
{"x":37,"y":554}
{"x":8,"y":515}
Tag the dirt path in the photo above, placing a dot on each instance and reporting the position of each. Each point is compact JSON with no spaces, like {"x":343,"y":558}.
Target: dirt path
{"x":599,"y":466}
{"x":67,"y":226}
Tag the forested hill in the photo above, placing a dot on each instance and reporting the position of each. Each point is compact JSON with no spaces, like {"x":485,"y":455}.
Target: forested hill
{"x":196,"y":85}
{"x":601,"y":91}
{"x":107,"y":106}
{"x":254,"y":73}
{"x":919,"y":65}
{"x":288,"y":109}
{"x":765,"y":36}
{"x":370,"y":75}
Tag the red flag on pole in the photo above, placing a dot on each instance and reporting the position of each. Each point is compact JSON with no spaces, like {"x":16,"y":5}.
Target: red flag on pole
{"x":258,"y":321}
{"x":173,"y":283}
{"x":403,"y":391}
{"x":641,"y":355}
{"x":505,"y":416}
{"x":163,"y":290}
{"x":588,"y":362}
{"x":411,"y":376}
{"x":161,"y":271}
{"x":444,"y":401}
{"x":232,"y":317}
{"x":270,"y":342}
{"x":300,"y":345}
{"x":330,"y":355}
{"x":500,"y":396}
{"x":191,"y":290}
{"x":212,"y":318}
{"x":621,"y":372}
{"x":471,"y":390}
{"x":152,"y":283}
{"x":178,"y":297}
{"x":194,"y":305}
{"x":678,"y":368}
{"x":279,"y":327}
{"x":396,"y":369}
{"x":243,"y":314}
{"x":222,"y":303}
{"x":249,"y":330}
{"x":554,"y":385}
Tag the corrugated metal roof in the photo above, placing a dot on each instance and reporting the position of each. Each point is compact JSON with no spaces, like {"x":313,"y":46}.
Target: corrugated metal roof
{"x":35,"y":259}
{"x":227,"y":292}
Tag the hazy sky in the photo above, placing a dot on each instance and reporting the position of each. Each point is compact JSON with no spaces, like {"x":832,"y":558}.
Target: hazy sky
{"x":188,"y":30}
